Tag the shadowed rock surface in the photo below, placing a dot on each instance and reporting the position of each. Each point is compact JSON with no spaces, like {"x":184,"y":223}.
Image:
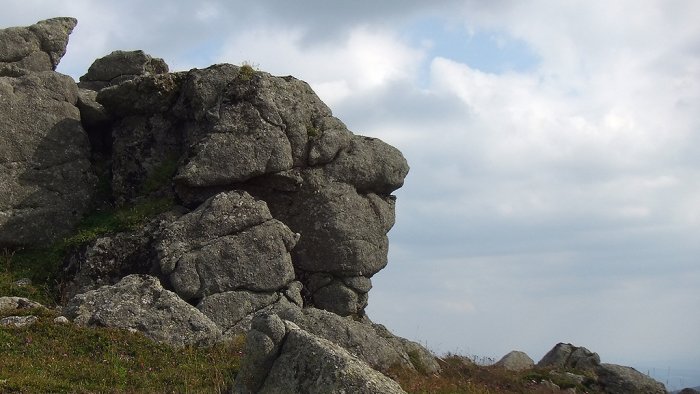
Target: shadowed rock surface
{"x":46,"y":179}
{"x":233,"y":128}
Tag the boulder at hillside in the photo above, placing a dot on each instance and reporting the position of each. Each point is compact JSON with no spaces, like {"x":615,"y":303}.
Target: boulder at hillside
{"x":46,"y":179}
{"x":609,"y":378}
{"x":566,"y":355}
{"x":621,"y":379}
{"x":140,"y":303}
{"x":372,"y":343}
{"x":515,"y":361}
{"x":38,"y":47}
{"x":282,"y":358}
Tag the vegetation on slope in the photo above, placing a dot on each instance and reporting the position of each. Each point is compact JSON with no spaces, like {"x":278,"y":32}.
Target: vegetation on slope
{"x":54,"y":357}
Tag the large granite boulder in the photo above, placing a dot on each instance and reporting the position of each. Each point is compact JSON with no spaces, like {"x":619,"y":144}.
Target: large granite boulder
{"x":46,"y":179}
{"x":140,"y":303}
{"x":283,"y":358}
{"x":38,"y":47}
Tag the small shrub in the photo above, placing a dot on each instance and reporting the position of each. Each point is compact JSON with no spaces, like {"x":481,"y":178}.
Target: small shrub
{"x":312,"y":131}
{"x":247,"y":71}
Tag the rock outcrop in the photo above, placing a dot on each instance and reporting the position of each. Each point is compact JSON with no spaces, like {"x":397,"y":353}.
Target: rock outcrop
{"x":46,"y":178}
{"x":283,"y":358}
{"x":609,"y":378}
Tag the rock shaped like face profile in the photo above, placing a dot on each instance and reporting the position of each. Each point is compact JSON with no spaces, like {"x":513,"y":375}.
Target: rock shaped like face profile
{"x":226,"y":129}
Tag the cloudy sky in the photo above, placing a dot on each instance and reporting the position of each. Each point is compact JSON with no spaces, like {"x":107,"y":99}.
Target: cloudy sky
{"x":554,"y":193}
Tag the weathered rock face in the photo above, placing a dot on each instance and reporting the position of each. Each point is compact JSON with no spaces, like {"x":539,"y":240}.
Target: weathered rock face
{"x":282,"y":358}
{"x":38,"y":47}
{"x":46,"y":180}
{"x":139,"y":302}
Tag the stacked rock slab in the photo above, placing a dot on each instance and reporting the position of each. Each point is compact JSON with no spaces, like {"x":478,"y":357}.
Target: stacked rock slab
{"x":46,"y":179}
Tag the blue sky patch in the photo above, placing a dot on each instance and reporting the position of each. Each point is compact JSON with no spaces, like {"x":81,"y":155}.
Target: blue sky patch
{"x":489,"y":51}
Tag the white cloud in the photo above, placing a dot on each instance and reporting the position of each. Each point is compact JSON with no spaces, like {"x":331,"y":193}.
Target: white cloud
{"x":365,"y":59}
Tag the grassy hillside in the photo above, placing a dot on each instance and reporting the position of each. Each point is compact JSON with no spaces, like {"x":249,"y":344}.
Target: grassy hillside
{"x":54,"y":357}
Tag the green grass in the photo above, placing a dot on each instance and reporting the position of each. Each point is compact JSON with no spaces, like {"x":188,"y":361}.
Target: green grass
{"x":43,"y":266}
{"x":111,"y":221}
{"x":51,"y":357}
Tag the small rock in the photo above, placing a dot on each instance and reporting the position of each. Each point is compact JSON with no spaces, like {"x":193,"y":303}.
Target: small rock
{"x":18,"y":321}
{"x":23,"y":282}
{"x":61,"y":320}
{"x":15,"y":303}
